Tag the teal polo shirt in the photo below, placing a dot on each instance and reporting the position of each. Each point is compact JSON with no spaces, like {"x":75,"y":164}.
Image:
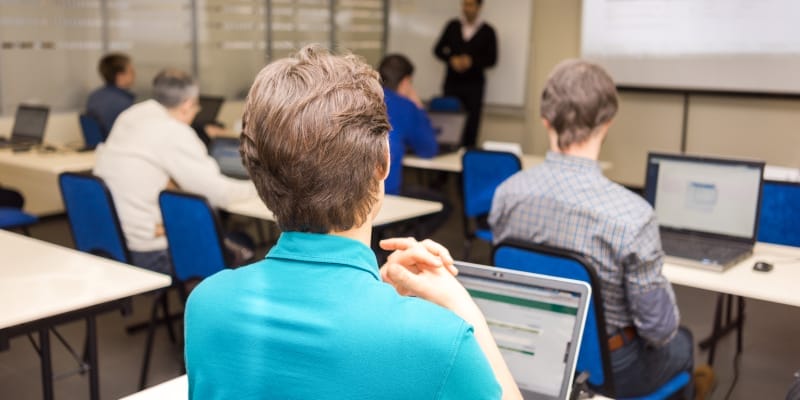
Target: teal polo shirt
{"x":313,"y":320}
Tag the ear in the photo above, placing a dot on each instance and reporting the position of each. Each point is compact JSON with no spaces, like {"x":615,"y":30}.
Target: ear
{"x":546,"y":124}
{"x":388,"y":159}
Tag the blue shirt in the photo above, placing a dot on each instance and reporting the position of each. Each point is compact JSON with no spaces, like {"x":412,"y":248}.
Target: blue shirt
{"x":314,"y":321}
{"x":566,"y":202}
{"x":412,"y":129}
{"x":106,"y":103}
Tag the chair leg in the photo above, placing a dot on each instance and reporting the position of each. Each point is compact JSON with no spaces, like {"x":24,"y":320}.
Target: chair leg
{"x":148,"y":347}
{"x":167,"y":318}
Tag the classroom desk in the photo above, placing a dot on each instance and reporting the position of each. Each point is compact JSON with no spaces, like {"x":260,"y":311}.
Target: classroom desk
{"x":394,"y":209}
{"x":35,"y":174}
{"x":776,"y":286}
{"x":451,"y":162}
{"x":43,"y":285}
{"x":173,"y":389}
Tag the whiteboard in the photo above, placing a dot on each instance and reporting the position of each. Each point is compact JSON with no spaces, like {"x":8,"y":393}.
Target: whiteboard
{"x":415,"y":26}
{"x":733,"y":45}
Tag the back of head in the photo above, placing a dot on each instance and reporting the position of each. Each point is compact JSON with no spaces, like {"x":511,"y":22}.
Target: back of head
{"x":111,"y":65}
{"x":393,"y":69}
{"x":314,"y":140}
{"x":172,"y":87}
{"x":578,"y":97}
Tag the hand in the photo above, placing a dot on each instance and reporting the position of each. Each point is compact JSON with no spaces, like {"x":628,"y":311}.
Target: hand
{"x":410,"y":253}
{"x":214,"y":130}
{"x":466,"y":61}
{"x":456,"y":62}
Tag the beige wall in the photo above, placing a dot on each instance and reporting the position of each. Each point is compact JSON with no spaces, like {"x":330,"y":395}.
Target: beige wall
{"x":761,"y":128}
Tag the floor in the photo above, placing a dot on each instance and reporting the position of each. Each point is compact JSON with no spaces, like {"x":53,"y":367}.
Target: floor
{"x":771,"y":349}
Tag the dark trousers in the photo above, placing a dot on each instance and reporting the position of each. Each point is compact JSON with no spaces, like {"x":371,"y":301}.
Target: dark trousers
{"x":640,"y":369}
{"x":471,"y":97}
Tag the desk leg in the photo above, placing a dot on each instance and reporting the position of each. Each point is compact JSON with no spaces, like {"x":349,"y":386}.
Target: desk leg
{"x":91,"y":352}
{"x":720,"y":330}
{"x":47,"y":363}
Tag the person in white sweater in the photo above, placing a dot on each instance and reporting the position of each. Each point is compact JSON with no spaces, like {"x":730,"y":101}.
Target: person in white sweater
{"x":151,"y":147}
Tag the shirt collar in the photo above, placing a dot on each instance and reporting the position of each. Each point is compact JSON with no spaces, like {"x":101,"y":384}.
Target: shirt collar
{"x":325,"y":249}
{"x":565,"y":161}
{"x":116,"y":88}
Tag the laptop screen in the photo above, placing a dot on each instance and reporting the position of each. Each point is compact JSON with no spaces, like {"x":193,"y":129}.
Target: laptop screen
{"x":706,"y":195}
{"x":448,"y":126}
{"x":209,"y":109}
{"x":30,"y":122}
{"x":537,"y":322}
{"x":225,"y":152}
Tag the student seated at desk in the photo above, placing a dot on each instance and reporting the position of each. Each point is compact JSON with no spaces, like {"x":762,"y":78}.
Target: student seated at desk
{"x":106,"y":103}
{"x":566,"y":202}
{"x":152,"y":148}
{"x":316,"y":318}
{"x":410,"y":130}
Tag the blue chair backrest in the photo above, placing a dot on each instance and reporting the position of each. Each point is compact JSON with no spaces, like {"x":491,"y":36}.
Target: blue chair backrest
{"x":92,"y":133}
{"x":92,"y":216}
{"x":445,"y":103}
{"x":593,"y":356}
{"x":482,"y":172}
{"x":192,"y":229}
{"x":779,"y":218}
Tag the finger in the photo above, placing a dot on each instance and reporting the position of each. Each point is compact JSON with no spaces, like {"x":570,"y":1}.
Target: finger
{"x":417,"y":256}
{"x":402,"y":279}
{"x":397,"y":243}
{"x":442,"y":252}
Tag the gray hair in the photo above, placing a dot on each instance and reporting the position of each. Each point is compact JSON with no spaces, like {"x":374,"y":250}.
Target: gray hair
{"x":171,"y":87}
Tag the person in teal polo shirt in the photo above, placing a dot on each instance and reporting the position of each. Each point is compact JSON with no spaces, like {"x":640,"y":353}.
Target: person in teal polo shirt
{"x":317,"y":319}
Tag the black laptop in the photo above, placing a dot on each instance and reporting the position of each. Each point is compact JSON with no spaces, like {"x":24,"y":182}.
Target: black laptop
{"x":29,"y":125}
{"x":209,"y":110}
{"x":707,"y":208}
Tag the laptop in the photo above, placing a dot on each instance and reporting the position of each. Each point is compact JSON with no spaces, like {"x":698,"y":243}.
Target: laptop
{"x":537,"y":322}
{"x":707,"y":208}
{"x":29,"y":125}
{"x":449,"y":129}
{"x":209,"y":110}
{"x":225,"y":152}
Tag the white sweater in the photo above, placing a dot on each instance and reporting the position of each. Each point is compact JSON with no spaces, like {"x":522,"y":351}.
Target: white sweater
{"x":145,"y":149}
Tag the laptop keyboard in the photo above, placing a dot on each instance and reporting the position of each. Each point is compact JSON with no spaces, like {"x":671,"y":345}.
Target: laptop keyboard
{"x":704,"y":250}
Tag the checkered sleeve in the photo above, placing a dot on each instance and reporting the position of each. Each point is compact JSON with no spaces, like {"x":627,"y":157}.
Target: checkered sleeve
{"x":650,"y":295}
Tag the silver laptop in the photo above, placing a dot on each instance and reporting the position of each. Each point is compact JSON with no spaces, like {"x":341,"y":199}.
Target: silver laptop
{"x":537,"y":322}
{"x":449,"y":129}
{"x":225,"y":152}
{"x":29,"y":126}
{"x":707,"y":208}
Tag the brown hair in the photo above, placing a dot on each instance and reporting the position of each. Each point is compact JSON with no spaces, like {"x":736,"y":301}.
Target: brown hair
{"x":314,"y":140}
{"x":577,"y":98}
{"x":112,"y":65}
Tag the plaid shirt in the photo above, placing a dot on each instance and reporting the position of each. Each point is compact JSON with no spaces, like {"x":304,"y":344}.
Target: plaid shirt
{"x":568,"y":203}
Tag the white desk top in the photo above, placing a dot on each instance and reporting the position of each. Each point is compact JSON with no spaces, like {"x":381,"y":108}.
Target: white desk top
{"x":451,"y":162}
{"x":40,"y":280}
{"x":52,"y":162}
{"x":778,"y":286}
{"x":174,"y":389}
{"x":394,"y":209}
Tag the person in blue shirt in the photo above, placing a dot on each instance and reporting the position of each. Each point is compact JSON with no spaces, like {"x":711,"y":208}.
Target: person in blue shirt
{"x":411,"y":128}
{"x":108,"y":101}
{"x":317,"y":319}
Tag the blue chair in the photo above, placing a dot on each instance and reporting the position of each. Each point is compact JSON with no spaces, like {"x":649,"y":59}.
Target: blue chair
{"x":593,"y":356}
{"x":445,"y":103}
{"x":196,"y":248}
{"x":11,"y":215}
{"x":92,"y":217}
{"x":92,"y":132}
{"x":482,"y":172}
{"x":779,"y":218}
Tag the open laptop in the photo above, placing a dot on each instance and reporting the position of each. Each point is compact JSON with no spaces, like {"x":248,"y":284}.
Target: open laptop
{"x":29,"y":125}
{"x":449,"y":129}
{"x":537,"y":322}
{"x":209,"y":110}
{"x":226,"y":152}
{"x":707,"y":208}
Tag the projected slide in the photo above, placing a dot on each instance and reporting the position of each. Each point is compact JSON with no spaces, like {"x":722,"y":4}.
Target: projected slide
{"x":705,"y":44}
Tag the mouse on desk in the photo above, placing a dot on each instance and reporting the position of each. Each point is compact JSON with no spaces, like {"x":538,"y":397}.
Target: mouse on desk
{"x":762,"y":266}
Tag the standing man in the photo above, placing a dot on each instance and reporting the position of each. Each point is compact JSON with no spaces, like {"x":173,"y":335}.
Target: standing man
{"x":152,"y":148}
{"x":468,"y":45}
{"x":107,"y":102}
{"x":568,"y":203}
